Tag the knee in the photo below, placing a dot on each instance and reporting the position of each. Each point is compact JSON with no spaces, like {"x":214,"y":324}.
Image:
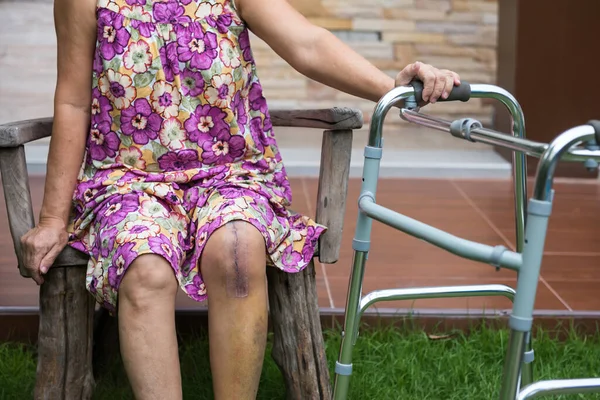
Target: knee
{"x":147,"y":278}
{"x":234,"y":257}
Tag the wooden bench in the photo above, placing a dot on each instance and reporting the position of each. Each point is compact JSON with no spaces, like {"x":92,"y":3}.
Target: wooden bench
{"x":66,"y":314}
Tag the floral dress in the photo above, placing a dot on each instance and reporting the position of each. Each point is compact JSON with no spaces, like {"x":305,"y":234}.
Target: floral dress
{"x":180,"y":144}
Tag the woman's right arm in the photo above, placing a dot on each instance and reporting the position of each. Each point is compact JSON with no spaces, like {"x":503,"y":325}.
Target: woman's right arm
{"x":75,"y":25}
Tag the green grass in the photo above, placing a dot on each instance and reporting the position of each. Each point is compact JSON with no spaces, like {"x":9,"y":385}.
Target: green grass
{"x":389,"y":364}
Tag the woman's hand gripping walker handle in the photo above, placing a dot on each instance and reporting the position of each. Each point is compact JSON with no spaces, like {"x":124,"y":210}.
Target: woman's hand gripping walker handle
{"x":458,"y":93}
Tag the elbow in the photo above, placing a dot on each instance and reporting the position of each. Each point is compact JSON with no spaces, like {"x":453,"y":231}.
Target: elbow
{"x":308,"y":55}
{"x":75,"y":97}
{"x":72,"y":105}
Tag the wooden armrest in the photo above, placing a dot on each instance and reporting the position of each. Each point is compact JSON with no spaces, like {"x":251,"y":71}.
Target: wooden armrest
{"x":69,"y":257}
{"x":329,"y":118}
{"x":18,"y":133}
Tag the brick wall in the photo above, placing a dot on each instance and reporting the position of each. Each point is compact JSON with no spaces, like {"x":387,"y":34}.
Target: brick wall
{"x":454,"y":34}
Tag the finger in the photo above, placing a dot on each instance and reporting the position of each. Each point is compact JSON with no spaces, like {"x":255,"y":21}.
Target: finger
{"x":449,"y":86}
{"x":428,"y":78}
{"x":438,"y":89}
{"x":408,"y":73}
{"x":49,"y":259}
{"x":456,"y":78}
{"x":33,"y":267}
{"x":35,"y":275}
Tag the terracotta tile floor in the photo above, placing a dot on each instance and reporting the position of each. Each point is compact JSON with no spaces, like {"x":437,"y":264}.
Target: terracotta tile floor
{"x":475,"y":210}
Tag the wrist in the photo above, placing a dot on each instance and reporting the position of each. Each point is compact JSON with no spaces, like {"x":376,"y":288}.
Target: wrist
{"x":48,"y":219}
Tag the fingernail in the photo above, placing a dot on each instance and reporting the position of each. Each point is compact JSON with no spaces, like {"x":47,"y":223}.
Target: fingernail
{"x":43,"y":270}
{"x":445,"y":95}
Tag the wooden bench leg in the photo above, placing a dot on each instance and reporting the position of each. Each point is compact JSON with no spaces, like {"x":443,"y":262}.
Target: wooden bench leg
{"x":64,"y":369}
{"x":298,"y":347}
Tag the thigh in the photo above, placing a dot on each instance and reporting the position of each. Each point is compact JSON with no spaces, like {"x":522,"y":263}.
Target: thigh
{"x":126,"y":227}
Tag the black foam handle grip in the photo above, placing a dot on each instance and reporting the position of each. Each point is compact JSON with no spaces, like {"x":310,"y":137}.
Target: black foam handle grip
{"x":458,"y":93}
{"x":596,"y":125}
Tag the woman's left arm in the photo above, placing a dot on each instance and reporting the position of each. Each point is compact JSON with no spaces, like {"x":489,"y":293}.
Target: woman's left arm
{"x":319,"y":55}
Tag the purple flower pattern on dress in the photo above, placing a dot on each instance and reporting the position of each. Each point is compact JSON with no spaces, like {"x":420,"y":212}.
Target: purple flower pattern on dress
{"x":197,"y":46}
{"x":206,"y":123}
{"x":103,"y":143}
{"x":196,"y":289}
{"x":308,"y":252}
{"x":221,"y":22}
{"x":244,"y":41}
{"x":291,"y":257}
{"x":169,"y":12}
{"x":258,"y":134}
{"x":146,"y":29}
{"x":97,"y":65}
{"x":101,"y":107}
{"x":163,"y":246}
{"x":119,"y":206}
{"x":123,"y":257}
{"x":105,"y":241}
{"x":216,"y":178}
{"x":207,"y":229}
{"x":140,"y":122}
{"x":224,"y":150}
{"x":192,"y":83}
{"x":170,"y":62}
{"x":112,"y":36}
{"x":256,"y":98}
{"x":154,"y":137}
{"x":239,"y":107}
{"x":179,"y":160}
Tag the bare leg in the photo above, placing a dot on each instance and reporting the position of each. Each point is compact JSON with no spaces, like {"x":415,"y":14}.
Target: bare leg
{"x":233,"y":267}
{"x":147,"y":329}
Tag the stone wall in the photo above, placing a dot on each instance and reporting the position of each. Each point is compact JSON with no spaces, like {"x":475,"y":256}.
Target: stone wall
{"x":454,"y":34}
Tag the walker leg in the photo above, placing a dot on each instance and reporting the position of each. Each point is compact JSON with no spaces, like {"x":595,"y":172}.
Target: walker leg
{"x":512,"y":365}
{"x":527,"y":367}
{"x":361,"y":245}
{"x":343,"y":367}
{"x":520,"y":177}
{"x":521,"y":318}
{"x":519,"y":162}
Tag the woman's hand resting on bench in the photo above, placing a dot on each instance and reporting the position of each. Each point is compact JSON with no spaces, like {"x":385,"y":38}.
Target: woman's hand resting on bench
{"x":41,"y":246}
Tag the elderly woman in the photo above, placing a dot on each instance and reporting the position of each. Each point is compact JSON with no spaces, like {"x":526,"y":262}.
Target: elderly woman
{"x":164,"y":168}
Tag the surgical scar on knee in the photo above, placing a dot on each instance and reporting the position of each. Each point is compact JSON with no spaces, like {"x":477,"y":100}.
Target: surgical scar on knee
{"x":237,"y":274}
